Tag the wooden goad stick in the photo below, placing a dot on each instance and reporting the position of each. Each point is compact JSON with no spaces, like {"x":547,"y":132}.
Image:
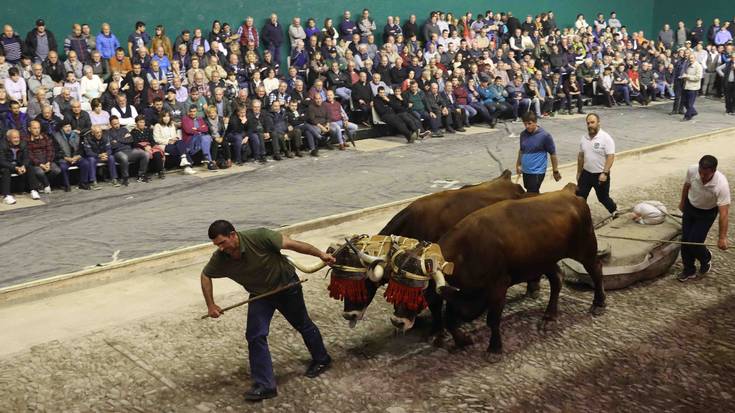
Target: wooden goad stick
{"x":258,"y":297}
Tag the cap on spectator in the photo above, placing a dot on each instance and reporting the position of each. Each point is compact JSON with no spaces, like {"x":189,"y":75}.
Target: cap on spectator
{"x":484,"y":78}
{"x":40,"y":22}
{"x":171,"y":89}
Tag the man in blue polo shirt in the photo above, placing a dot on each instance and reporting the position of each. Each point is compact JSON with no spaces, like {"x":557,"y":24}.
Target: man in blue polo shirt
{"x":536,"y":143}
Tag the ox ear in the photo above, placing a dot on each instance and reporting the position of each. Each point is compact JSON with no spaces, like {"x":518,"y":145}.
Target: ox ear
{"x":506,"y":174}
{"x":570,"y":187}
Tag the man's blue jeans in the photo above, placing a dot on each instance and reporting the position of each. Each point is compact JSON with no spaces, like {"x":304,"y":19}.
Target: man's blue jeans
{"x":291,"y":304}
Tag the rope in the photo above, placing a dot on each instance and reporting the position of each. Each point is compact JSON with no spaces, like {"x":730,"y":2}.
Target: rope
{"x":665,"y":241}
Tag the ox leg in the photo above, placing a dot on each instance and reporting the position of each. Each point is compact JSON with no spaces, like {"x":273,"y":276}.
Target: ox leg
{"x":533,"y":288}
{"x":453,"y":320}
{"x":437,"y":318}
{"x":594,"y":269}
{"x":552,"y":309}
{"x":494,"y":314}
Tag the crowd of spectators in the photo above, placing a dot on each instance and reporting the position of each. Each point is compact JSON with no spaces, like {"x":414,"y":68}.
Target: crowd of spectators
{"x":93,"y":104}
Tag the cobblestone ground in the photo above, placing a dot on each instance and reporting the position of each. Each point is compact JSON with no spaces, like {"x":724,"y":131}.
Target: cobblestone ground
{"x":661,"y":346}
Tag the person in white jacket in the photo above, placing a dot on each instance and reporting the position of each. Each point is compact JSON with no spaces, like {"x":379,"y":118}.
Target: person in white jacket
{"x":91,"y":87}
{"x":692,"y":83}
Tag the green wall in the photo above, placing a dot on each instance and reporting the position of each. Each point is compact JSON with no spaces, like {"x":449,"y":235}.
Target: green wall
{"x":672,"y":11}
{"x":189,"y":14}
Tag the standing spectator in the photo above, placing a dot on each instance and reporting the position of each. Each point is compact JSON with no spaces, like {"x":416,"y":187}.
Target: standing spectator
{"x":704,"y":196}
{"x":723,"y":36}
{"x":42,"y":156}
{"x":697,"y":34}
{"x":713,"y":30}
{"x":137,"y":39}
{"x":682,"y":35}
{"x":296,"y":32}
{"x":366,"y":24}
{"x":347,"y":27}
{"x":69,"y":150}
{"x":39,"y":42}
{"x":613,"y":22}
{"x":107,"y":42}
{"x":727,"y":74}
{"x":272,"y":35}
{"x":77,"y":43}
{"x":692,"y":78}
{"x":709,"y":66}
{"x":14,"y":159}
{"x":12,"y":45}
{"x":536,"y":143}
{"x":666,"y":37}
{"x":596,"y":157}
{"x":161,"y":40}
{"x":248,"y":33}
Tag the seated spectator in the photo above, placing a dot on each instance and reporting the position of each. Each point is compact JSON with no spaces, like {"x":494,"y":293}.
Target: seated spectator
{"x":138,"y":94}
{"x":36,"y":103}
{"x":361,"y":96}
{"x":91,"y":86}
{"x":62,"y":103}
{"x":53,"y":67}
{"x":518,"y":98}
{"x":143,"y":139}
{"x":276,"y":129}
{"x":50,"y":123}
{"x":196,"y":138}
{"x":16,"y":119}
{"x":167,"y":135}
{"x":125,"y":152}
{"x":69,"y":152}
{"x":339,"y":121}
{"x":124,"y":112}
{"x":16,"y":87}
{"x":281,"y":95}
{"x":39,"y":79}
{"x":72,"y":64}
{"x":387,"y":113}
{"x":156,"y":72}
{"x":622,"y":83}
{"x":605,"y":86}
{"x":175,"y":108}
{"x":297,"y":130}
{"x":437,"y":108}
{"x":573,"y":92}
{"x":15,"y":159}
{"x":42,"y":156}
{"x":220,"y":147}
{"x":97,"y":149}
{"x":256,"y":129}
{"x":456,"y":112}
{"x":468,"y":98}
{"x":108,"y":99}
{"x":236,"y":134}
{"x":152,"y":93}
{"x":120,"y":62}
{"x":318,"y":120}
{"x":161,"y":58}
{"x":153,"y":113}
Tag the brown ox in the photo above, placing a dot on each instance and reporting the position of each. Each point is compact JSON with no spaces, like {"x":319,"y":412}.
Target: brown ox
{"x":427,"y":219}
{"x":509,"y":243}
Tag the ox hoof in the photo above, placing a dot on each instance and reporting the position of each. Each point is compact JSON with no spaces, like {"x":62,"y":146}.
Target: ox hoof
{"x":597,"y":310}
{"x":439,"y":339}
{"x":353,"y":323}
{"x":533,"y":294}
{"x":462,"y":340}
{"x":547,"y":324}
{"x":493,"y":358}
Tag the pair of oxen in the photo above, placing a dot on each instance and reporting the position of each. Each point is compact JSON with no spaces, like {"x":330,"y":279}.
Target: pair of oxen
{"x":466,"y":247}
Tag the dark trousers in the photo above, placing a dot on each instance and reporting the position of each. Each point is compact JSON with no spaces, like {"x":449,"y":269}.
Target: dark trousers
{"x":395,"y":122}
{"x":571,"y":97}
{"x":29,"y":179}
{"x":126,"y":157}
{"x":587,"y":181}
{"x":293,"y":140}
{"x":43,"y":177}
{"x":691,"y":97}
{"x":532,"y":182}
{"x":411,"y":121}
{"x":695,"y":225}
{"x":92,"y":162}
{"x":730,"y":97}
{"x":678,"y":96}
{"x":235,"y":140}
{"x":257,"y":147}
{"x":83,"y":165}
{"x":291,"y":304}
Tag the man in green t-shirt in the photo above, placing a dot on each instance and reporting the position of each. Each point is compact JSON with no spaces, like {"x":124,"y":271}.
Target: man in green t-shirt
{"x":253,"y":259}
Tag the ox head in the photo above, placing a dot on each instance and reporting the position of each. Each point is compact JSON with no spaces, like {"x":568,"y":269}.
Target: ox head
{"x":412,"y":270}
{"x":358,"y":272}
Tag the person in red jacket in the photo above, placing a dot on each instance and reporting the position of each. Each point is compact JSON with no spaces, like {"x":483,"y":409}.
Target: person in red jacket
{"x":194,"y":134}
{"x":41,"y":153}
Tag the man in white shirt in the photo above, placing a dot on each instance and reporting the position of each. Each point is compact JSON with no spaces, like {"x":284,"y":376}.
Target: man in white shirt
{"x":596,"y":157}
{"x":692,"y":83}
{"x":706,"y":193}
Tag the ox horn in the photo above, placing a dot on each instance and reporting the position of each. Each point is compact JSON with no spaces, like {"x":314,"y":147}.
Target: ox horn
{"x":441,"y":283}
{"x":375,"y":264}
{"x":307,"y":269}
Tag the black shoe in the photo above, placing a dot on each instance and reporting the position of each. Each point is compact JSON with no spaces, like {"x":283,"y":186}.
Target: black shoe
{"x":298,"y":154}
{"x":212,"y":166}
{"x":124,"y":182}
{"x":144,"y":178}
{"x":581,"y":112}
{"x":277,"y":157}
{"x":705,"y":268}
{"x":67,"y":189}
{"x":258,"y":393}
{"x":314,"y":153}
{"x":84,"y":186}
{"x":451,"y":130}
{"x":262,"y":160}
{"x":329,"y":146}
{"x":289,"y":154}
{"x":161,"y":174}
{"x":684,"y":276}
{"x":437,"y":135}
{"x":316,"y":368}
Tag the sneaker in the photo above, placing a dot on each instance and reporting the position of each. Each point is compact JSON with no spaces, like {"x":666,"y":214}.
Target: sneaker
{"x":9,"y":200}
{"x":95,"y":186}
{"x":125,"y":182}
{"x":262,"y":160}
{"x":189,"y":171}
{"x":684,"y":277}
{"x":144,"y":178}
{"x":47,"y":190}
{"x":162,"y":174}
{"x":277,"y":157}
{"x":212,"y":166}
{"x":115,"y":183}
{"x":84,"y":186}
{"x":424,"y":134}
{"x":705,"y":268}
{"x":289,"y":154}
{"x":67,"y":189}
{"x":437,"y":135}
{"x":314,"y":153}
{"x":184,"y":162}
{"x":35,"y":195}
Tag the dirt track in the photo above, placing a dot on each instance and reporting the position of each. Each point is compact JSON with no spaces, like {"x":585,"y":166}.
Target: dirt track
{"x":662,"y":345}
